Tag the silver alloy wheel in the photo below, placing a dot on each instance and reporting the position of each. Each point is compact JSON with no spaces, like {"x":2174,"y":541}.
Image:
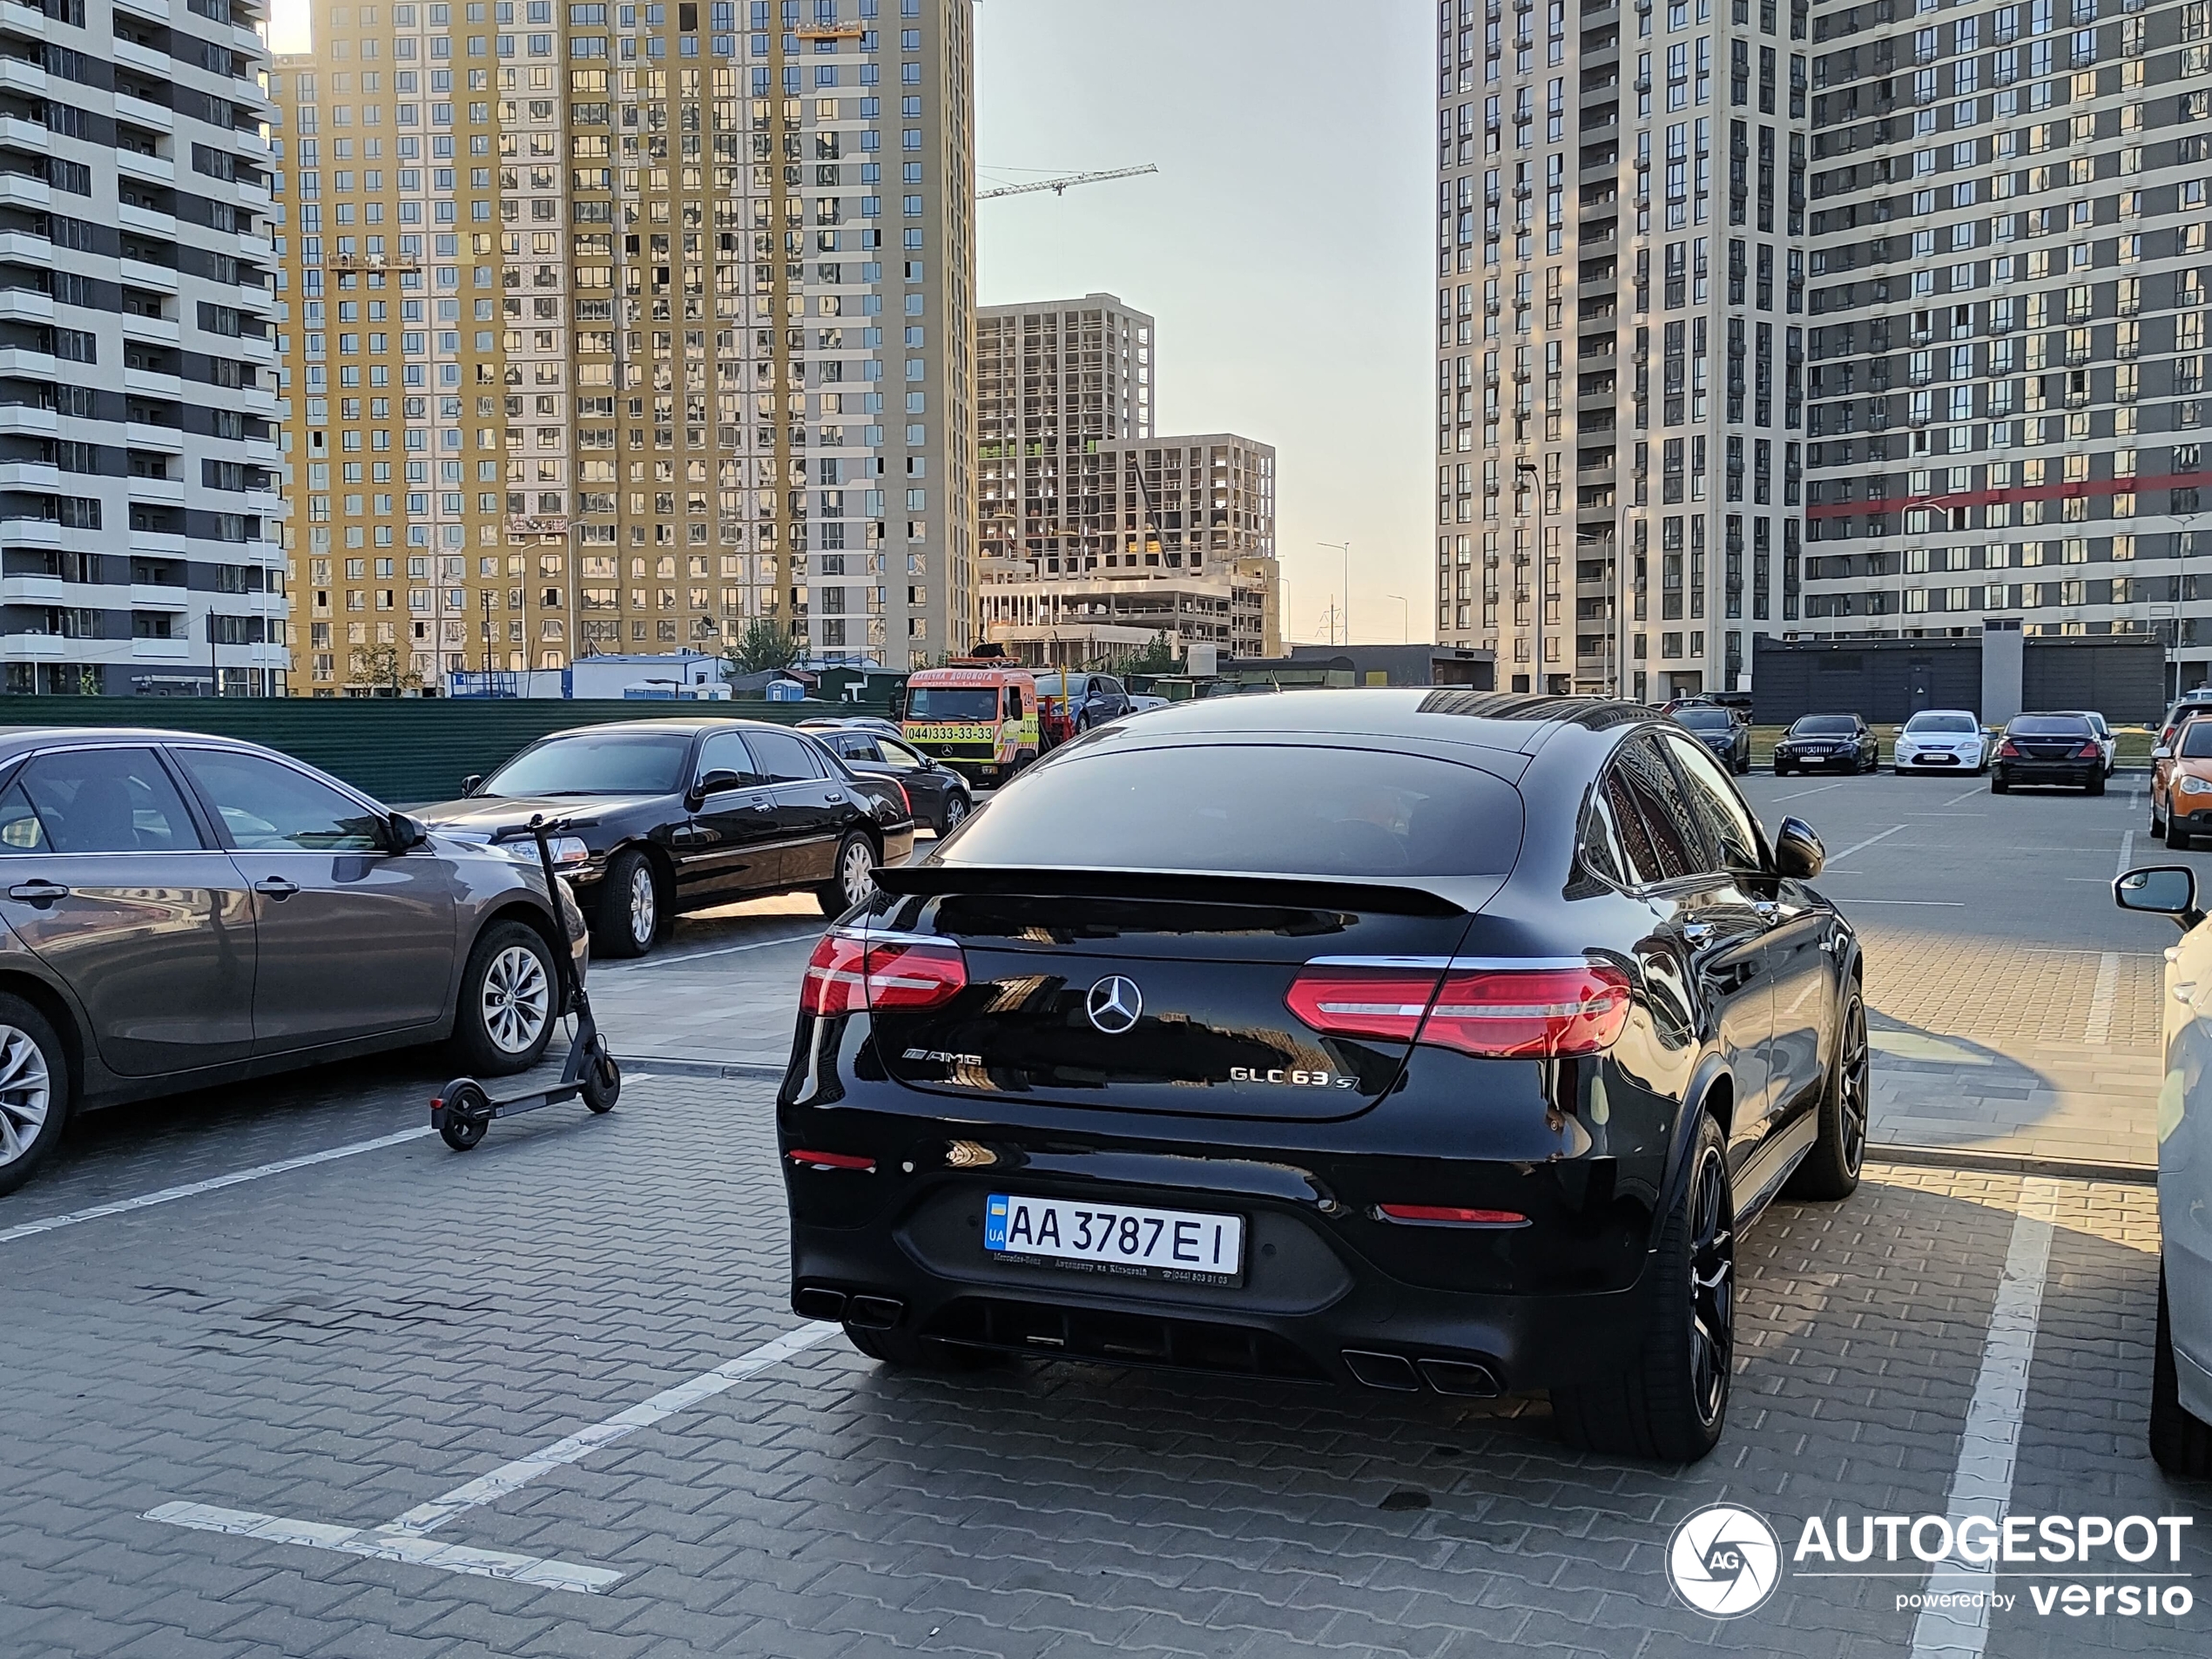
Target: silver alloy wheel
{"x":26,"y":1093}
{"x":856,"y":872}
{"x":955,"y":810}
{"x":645,"y":905}
{"x":518,"y":999}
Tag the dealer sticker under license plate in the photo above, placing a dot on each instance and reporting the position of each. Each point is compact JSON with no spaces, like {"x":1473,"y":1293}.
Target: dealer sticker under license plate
{"x":1116,"y":1238}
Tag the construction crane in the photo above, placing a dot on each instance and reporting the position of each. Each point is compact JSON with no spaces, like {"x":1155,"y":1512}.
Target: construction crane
{"x":1060,"y":185}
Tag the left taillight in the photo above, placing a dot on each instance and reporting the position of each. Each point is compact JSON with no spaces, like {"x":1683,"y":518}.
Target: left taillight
{"x":848,"y":974}
{"x":1495,"y":1013}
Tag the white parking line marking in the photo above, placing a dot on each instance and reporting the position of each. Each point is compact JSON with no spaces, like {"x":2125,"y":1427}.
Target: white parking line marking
{"x":2099,"y":1030}
{"x":1981,"y":1483}
{"x":403,"y":1539}
{"x":1860,"y":846}
{"x":693,"y":956}
{"x":2126,"y":854}
{"x":420,"y":1552}
{"x":488,"y":1488}
{"x":1801,"y":793}
{"x":213,"y":1184}
{"x":1955,"y":800}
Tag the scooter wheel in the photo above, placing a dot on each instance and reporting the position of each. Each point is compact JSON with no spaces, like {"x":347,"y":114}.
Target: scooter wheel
{"x":602,"y":1085}
{"x":462,"y":1116}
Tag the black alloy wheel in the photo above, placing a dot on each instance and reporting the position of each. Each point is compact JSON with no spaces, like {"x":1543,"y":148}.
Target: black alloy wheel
{"x":1670,"y":1404}
{"x":1831,"y":1170}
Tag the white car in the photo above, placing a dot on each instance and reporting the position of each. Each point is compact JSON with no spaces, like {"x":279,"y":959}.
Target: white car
{"x":2180,"y":1385}
{"x":1942,"y":740}
{"x":2106,"y":741}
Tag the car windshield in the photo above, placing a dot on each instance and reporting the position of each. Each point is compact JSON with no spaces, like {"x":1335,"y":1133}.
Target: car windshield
{"x":1704,"y":719}
{"x":2197,"y":740}
{"x":595,"y":763}
{"x":1274,"y":809}
{"x":2048,"y":725}
{"x":952,"y":703}
{"x":1824,"y":725}
{"x":1929,"y":723}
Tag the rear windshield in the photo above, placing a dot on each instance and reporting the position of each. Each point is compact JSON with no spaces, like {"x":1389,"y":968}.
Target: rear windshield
{"x":1824,"y":725}
{"x":2048,"y":725}
{"x":2197,"y":740}
{"x":1704,"y":719}
{"x":1941,"y":723}
{"x":1271,"y":809}
{"x":952,"y":703}
{"x":595,"y":763}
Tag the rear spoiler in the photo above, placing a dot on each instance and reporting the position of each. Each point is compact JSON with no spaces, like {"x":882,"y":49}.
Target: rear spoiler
{"x":1307,"y":893}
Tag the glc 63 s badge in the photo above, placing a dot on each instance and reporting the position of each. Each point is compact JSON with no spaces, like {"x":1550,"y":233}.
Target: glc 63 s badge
{"x":1295,"y":1079}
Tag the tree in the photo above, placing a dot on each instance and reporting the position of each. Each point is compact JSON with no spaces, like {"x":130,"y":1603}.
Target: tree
{"x":386,"y":666}
{"x":1158,"y":657}
{"x":763,"y":645}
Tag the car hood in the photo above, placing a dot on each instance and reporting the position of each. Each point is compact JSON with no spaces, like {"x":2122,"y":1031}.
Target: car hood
{"x":481,"y":814}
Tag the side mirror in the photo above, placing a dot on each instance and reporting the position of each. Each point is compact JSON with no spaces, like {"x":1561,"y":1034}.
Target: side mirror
{"x":472,"y":783}
{"x":715,"y":783}
{"x":2162,"y":890}
{"x":406,"y":831}
{"x":2161,"y":753}
{"x":1798,"y":851}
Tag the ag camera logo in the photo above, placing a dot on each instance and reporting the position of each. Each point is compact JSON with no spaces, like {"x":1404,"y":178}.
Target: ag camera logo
{"x":1725,"y":1561}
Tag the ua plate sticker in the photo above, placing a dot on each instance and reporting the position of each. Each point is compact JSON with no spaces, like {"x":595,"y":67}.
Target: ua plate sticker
{"x":1123,"y":1240}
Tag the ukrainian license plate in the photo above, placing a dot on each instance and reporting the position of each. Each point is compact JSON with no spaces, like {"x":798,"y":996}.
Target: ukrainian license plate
{"x":1114,"y":1238}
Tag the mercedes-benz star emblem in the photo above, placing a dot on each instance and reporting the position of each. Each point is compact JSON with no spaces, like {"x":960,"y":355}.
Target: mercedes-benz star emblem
{"x":1114,"y":1004}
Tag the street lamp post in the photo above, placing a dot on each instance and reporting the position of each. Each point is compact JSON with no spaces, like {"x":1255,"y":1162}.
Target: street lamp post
{"x":1405,"y":619}
{"x":1536,"y":638}
{"x":1345,"y":548}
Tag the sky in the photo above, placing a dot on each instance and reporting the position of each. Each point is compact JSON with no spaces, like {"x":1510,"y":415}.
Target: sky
{"x":1283,"y":245}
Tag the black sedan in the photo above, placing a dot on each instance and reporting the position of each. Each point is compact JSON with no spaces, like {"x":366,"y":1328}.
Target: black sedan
{"x":1401,"y":1040}
{"x":674,"y":815}
{"x":1827,"y":743}
{"x":937,"y":795}
{"x":2048,"y":749}
{"x":1718,"y":730}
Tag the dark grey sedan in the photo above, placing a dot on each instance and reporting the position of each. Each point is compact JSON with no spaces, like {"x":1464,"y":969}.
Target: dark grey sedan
{"x":182,"y":911}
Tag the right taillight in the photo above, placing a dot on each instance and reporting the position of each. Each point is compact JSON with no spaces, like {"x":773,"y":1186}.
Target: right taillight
{"x":848,"y":974}
{"x":1498,"y":1013}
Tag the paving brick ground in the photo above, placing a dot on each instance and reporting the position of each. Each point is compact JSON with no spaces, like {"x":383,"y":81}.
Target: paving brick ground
{"x":340,"y":1342}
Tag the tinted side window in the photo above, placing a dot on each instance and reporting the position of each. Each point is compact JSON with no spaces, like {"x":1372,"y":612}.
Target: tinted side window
{"x":1658,"y":827}
{"x":1727,"y":823}
{"x":726,"y":751}
{"x":20,"y":830}
{"x":106,"y":800}
{"x":268,"y":808}
{"x":1600,"y":841}
{"x":784,"y":759}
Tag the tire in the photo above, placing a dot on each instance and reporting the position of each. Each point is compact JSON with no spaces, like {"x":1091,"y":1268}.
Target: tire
{"x":908,"y":1352}
{"x":2157,"y":824}
{"x":2095,"y":786}
{"x":953,"y":813}
{"x":2177,"y":835}
{"x":1781,"y":771}
{"x":1998,"y":785}
{"x":602,"y":1082}
{"x":1831,"y":1170}
{"x":34,"y":1091}
{"x":509,"y":1001}
{"x":1670,"y":1403}
{"x":626,"y":916}
{"x":2180,"y":1442}
{"x":853,"y":881}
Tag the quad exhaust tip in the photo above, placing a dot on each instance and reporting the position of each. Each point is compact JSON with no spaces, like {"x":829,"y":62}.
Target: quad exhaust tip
{"x":1401,"y":1375}
{"x":869,"y":1312}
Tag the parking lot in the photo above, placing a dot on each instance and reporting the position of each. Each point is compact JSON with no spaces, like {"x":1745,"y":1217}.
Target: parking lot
{"x":287,"y":1377}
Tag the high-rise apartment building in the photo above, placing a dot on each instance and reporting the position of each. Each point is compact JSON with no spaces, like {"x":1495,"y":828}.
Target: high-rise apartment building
{"x":2008,"y":273}
{"x":627,"y":326}
{"x":1096,"y":534}
{"x":1620,"y":302}
{"x":140,"y":547}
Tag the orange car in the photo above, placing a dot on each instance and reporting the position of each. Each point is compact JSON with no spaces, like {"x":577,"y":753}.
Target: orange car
{"x":2180,"y":783}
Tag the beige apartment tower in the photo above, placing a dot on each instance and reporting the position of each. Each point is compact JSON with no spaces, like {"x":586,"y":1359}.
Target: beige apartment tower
{"x":627,"y":328}
{"x":1096,"y":533}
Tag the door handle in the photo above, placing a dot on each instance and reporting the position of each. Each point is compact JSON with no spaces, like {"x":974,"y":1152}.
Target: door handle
{"x":1768,"y":912}
{"x":276,"y":886}
{"x":1697,"y":932}
{"x":761,"y":806}
{"x":2184,"y":989}
{"x":40,"y":892}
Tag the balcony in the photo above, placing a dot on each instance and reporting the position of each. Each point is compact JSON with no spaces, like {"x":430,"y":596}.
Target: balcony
{"x":27,"y":79}
{"x":161,"y":650}
{"x":146,"y":221}
{"x":152,"y":170}
{"x":34,"y":589}
{"x":160,"y":279}
{"x":141,"y":113}
{"x":152,"y":331}
{"x":25,"y":191}
{"x":158,"y":595}
{"x":29,"y":475}
{"x":167,"y":491}
{"x":125,"y":50}
{"x":29,"y":532}
{"x":143,"y":380}
{"x":168,"y":440}
{"x":39,"y":648}
{"x":28,"y":420}
{"x":25,"y":304}
{"x":157,"y":9}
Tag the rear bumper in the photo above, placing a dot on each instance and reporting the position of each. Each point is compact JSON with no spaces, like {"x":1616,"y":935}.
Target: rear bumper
{"x":1330,"y":1291}
{"x":2079,"y":773}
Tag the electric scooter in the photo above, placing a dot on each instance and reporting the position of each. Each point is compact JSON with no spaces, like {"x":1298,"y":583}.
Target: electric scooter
{"x":464,"y":1108}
